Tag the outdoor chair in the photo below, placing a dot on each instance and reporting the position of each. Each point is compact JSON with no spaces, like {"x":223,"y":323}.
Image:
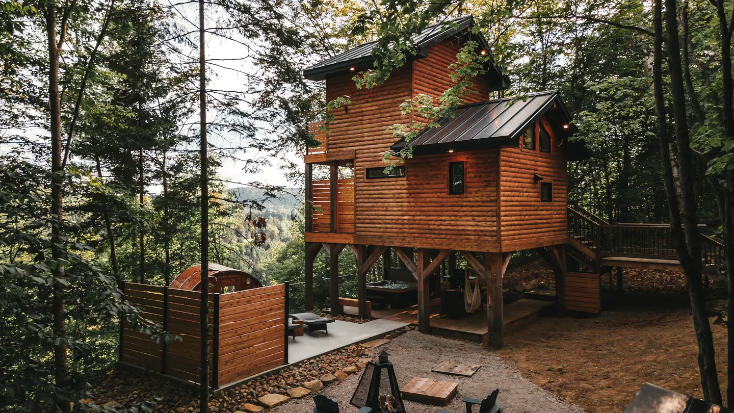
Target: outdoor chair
{"x":313,"y":321}
{"x":325,"y":404}
{"x":488,"y":405}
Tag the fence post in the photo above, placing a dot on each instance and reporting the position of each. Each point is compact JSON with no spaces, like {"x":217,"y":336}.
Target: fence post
{"x":164,"y":353}
{"x":215,"y":344}
{"x":287,"y":305}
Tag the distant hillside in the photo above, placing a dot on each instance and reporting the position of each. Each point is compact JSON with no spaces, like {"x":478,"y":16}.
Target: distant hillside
{"x":289,"y":199}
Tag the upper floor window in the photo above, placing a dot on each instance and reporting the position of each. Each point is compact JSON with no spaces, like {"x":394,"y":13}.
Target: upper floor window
{"x":456,"y":178}
{"x":546,"y":192}
{"x":528,"y":138}
{"x":379,"y":173}
{"x":544,"y":139}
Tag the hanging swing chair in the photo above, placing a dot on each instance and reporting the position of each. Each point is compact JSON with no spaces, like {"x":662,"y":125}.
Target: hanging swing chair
{"x":472,"y":296}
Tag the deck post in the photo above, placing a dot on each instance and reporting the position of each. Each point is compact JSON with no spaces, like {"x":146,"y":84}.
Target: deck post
{"x":556,"y":257}
{"x":620,"y":287}
{"x":334,"y":250}
{"x":361,"y":252}
{"x":309,"y":197}
{"x":333,"y":194}
{"x":312,"y":249}
{"x":495,"y":311}
{"x":424,"y":311}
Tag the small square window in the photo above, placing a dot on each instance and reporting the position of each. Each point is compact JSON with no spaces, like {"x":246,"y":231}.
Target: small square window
{"x":546,"y":192}
{"x":544,"y":139}
{"x":528,"y":138}
{"x":456,"y":178}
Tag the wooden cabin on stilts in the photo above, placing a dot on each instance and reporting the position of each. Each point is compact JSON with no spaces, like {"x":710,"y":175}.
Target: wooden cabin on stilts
{"x":490,"y":181}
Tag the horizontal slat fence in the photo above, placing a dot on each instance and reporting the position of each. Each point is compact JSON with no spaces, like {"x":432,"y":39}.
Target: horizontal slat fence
{"x":583,"y":292}
{"x":321,"y":199}
{"x":247,"y":332}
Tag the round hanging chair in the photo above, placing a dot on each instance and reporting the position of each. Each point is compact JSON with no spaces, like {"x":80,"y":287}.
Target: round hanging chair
{"x":224,"y":279}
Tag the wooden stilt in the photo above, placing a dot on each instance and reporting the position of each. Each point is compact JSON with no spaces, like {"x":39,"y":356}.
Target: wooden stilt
{"x":493,"y":270}
{"x":366,"y":259}
{"x":312,"y":250}
{"x":620,"y":272}
{"x":334,"y":250}
{"x":424,"y":312}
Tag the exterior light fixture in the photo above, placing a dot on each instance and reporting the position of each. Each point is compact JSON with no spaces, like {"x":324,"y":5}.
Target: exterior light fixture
{"x":483,"y":52}
{"x":450,"y":151}
{"x":537,"y":178}
{"x":352,"y":69}
{"x":565,"y":126}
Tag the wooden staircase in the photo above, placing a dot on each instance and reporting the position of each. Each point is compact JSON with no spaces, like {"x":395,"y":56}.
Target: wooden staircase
{"x":594,"y":247}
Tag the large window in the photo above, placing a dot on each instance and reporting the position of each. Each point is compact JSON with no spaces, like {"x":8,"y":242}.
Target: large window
{"x":379,"y":173}
{"x":544,"y":139}
{"x":456,"y":178}
{"x":546,"y":192}
{"x":528,"y":138}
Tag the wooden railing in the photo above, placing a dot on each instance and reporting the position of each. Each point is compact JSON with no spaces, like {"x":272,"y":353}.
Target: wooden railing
{"x":634,"y":240}
{"x":321,"y":136}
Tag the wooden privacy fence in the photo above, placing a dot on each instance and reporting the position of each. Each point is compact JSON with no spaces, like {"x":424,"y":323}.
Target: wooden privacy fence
{"x":321,"y":199}
{"x":247,"y":332}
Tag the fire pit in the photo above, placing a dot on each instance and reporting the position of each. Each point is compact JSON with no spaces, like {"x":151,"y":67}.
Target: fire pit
{"x":378,"y":388}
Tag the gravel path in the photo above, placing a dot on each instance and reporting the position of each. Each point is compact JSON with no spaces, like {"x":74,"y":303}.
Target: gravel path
{"x":415,"y":354}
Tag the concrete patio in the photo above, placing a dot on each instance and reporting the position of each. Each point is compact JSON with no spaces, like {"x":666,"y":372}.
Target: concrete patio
{"x":341,"y":333}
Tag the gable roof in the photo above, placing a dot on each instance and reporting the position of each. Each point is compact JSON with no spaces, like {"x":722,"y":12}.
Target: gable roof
{"x":495,"y":123}
{"x":361,"y":56}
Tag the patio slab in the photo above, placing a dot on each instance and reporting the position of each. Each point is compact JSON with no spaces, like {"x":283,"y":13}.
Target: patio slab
{"x":341,"y":333}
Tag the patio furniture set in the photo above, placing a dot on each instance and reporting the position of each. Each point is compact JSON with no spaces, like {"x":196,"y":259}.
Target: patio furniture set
{"x":297,"y":321}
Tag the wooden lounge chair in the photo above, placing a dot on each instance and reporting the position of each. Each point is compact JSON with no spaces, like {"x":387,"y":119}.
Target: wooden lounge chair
{"x":313,"y":321}
{"x":325,"y":404}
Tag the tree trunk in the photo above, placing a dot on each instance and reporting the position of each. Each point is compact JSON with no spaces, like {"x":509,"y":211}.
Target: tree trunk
{"x":108,"y":228}
{"x":166,"y":224}
{"x":688,"y":241}
{"x":58,"y":251}
{"x":204,"y":187}
{"x":141,"y":233}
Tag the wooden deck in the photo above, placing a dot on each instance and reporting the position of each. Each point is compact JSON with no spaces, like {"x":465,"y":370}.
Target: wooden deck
{"x":472,"y":327}
{"x":637,"y":262}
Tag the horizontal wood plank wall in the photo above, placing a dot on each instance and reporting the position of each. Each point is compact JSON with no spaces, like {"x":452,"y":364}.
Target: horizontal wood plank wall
{"x":138,"y":349}
{"x":424,"y":215}
{"x":251,"y":332}
{"x":525,"y":221}
{"x":184,"y":357}
{"x":432,"y":76}
{"x":321,"y":215}
{"x":415,"y":210}
{"x":583,"y":292}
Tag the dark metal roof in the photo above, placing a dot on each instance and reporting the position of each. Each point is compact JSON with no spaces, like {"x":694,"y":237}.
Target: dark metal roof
{"x":497,"y":122}
{"x":361,"y":55}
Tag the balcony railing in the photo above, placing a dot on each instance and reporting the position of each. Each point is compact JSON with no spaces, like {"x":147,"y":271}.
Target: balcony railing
{"x":321,"y":136}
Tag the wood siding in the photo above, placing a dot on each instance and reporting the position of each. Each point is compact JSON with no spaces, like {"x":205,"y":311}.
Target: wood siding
{"x":525,"y":221}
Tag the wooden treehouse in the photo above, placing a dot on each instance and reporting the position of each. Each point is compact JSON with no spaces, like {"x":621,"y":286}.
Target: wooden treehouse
{"x":490,"y":181}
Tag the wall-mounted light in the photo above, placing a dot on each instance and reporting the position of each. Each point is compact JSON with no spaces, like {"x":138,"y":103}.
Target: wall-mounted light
{"x":450,"y":151}
{"x":565,"y":126}
{"x":352,"y":68}
{"x":537,"y":177}
{"x":483,"y":52}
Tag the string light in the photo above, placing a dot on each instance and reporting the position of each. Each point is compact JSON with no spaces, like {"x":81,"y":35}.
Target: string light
{"x":483,"y":52}
{"x":451,"y":151}
{"x":565,"y":126}
{"x":352,"y":69}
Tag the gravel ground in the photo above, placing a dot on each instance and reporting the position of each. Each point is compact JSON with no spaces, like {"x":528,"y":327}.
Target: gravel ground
{"x":415,"y":354}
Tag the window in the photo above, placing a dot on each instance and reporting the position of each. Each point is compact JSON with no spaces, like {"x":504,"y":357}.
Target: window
{"x":544,"y":140}
{"x":546,"y":192}
{"x":456,"y":178}
{"x":379,"y":173}
{"x":528,"y":138}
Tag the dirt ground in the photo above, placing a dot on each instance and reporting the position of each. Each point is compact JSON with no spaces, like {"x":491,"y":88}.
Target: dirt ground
{"x":415,"y":354}
{"x":600,"y":362}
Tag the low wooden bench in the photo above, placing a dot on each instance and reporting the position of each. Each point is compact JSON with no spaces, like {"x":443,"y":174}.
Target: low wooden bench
{"x":353,"y":302}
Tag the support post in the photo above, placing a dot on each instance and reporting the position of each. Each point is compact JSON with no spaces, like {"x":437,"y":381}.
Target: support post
{"x":620,"y":287}
{"x":333,"y":195}
{"x":286,"y":311}
{"x":424,"y":311}
{"x":309,"y":197}
{"x":385,"y":262}
{"x":495,"y":311}
{"x":361,"y":252}
{"x":334,"y":250}
{"x":311,"y":251}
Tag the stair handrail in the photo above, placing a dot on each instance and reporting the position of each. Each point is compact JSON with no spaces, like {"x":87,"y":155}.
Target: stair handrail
{"x":584,"y":213}
{"x":712,"y":251}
